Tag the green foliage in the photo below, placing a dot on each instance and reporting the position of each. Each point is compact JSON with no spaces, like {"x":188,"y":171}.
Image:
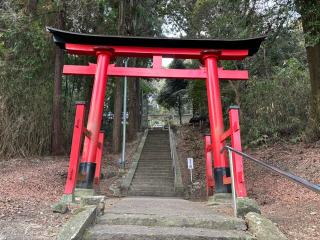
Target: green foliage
{"x":274,"y":100}
{"x":146,"y":87}
{"x":25,"y":85}
{"x":277,"y":107}
{"x":174,"y":91}
{"x":310,"y":14}
{"x":197,"y":92}
{"x":27,"y":67}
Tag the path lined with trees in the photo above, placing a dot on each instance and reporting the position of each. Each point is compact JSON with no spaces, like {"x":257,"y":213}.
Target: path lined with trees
{"x":280,"y":102}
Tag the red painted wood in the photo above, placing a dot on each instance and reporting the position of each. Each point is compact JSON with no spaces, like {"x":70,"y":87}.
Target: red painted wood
{"x":183,"y":53}
{"x":215,"y":110}
{"x":96,"y":107}
{"x":225,"y":135}
{"x":157,"y":62}
{"x":156,"y":72}
{"x":209,"y":175}
{"x":99,"y":158}
{"x":237,"y":159}
{"x":75,"y":149}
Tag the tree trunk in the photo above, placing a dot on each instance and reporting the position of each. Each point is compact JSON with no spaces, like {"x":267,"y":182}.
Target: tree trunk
{"x":117,"y":117}
{"x":313,"y":130}
{"x":117,"y":106}
{"x":57,"y":146}
{"x":179,"y":109}
{"x":57,"y":139}
{"x":132,"y":108}
{"x":32,"y":7}
{"x":137,"y":107}
{"x":310,"y":17}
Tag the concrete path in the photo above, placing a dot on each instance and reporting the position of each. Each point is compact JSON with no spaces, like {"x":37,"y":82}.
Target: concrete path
{"x":165,"y":218}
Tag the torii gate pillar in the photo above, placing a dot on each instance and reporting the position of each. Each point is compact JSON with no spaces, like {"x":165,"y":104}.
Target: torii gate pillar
{"x":220,"y":162}
{"x":88,"y":163}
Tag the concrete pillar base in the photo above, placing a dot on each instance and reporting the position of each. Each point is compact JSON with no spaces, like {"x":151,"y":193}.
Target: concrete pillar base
{"x":83,"y":192}
{"x":220,"y":198}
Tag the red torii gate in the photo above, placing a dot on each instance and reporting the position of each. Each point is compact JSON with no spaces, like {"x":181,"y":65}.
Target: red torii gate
{"x":106,"y":47}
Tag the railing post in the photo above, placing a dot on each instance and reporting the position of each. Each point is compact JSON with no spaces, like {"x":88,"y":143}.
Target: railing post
{"x":208,"y":155}
{"x":99,"y":154}
{"x":78,"y":129}
{"x":233,"y":189}
{"x":236,"y":144}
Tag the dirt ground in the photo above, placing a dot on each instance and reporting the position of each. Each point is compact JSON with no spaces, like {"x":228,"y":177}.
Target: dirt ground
{"x":29,"y":187}
{"x":294,"y":209}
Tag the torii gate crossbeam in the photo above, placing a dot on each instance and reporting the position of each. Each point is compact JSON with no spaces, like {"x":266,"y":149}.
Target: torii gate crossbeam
{"x":107,"y":47}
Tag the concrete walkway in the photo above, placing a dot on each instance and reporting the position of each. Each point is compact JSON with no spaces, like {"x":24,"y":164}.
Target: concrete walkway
{"x":165,"y":218}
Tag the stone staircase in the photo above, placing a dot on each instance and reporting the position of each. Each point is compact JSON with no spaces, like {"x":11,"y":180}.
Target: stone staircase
{"x":156,"y":214}
{"x":150,"y":218}
{"x":154,"y":174}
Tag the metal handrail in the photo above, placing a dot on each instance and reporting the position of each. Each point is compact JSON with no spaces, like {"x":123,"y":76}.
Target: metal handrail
{"x":173,"y":152}
{"x":290,"y":176}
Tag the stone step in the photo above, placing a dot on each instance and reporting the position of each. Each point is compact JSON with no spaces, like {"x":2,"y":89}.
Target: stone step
{"x":152,"y":179}
{"x":155,"y":176}
{"x":158,"y":150}
{"x":163,"y":173}
{"x":153,"y":152}
{"x":152,"y":188}
{"x":158,"y":142}
{"x":131,"y":232}
{"x":155,"y":165}
{"x":153,"y":185}
{"x":154,"y":171}
{"x":212,"y":221}
{"x":151,"y":175}
{"x":157,"y":168}
{"x":155,"y":157}
{"x":151,"y":194}
{"x":152,"y":162}
{"x":160,"y":180}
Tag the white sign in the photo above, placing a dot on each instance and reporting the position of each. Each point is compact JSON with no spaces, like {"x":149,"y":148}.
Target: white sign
{"x":190,"y":163}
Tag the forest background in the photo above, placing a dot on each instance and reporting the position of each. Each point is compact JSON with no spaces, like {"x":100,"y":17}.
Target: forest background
{"x":280,"y":102}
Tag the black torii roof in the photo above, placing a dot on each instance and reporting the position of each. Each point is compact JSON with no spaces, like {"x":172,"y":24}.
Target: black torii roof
{"x":61,"y":37}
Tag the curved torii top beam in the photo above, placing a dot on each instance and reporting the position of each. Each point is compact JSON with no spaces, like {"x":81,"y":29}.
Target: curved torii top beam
{"x":68,"y":40}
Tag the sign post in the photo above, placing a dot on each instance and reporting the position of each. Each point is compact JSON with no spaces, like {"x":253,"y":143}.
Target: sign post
{"x":190,"y":166}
